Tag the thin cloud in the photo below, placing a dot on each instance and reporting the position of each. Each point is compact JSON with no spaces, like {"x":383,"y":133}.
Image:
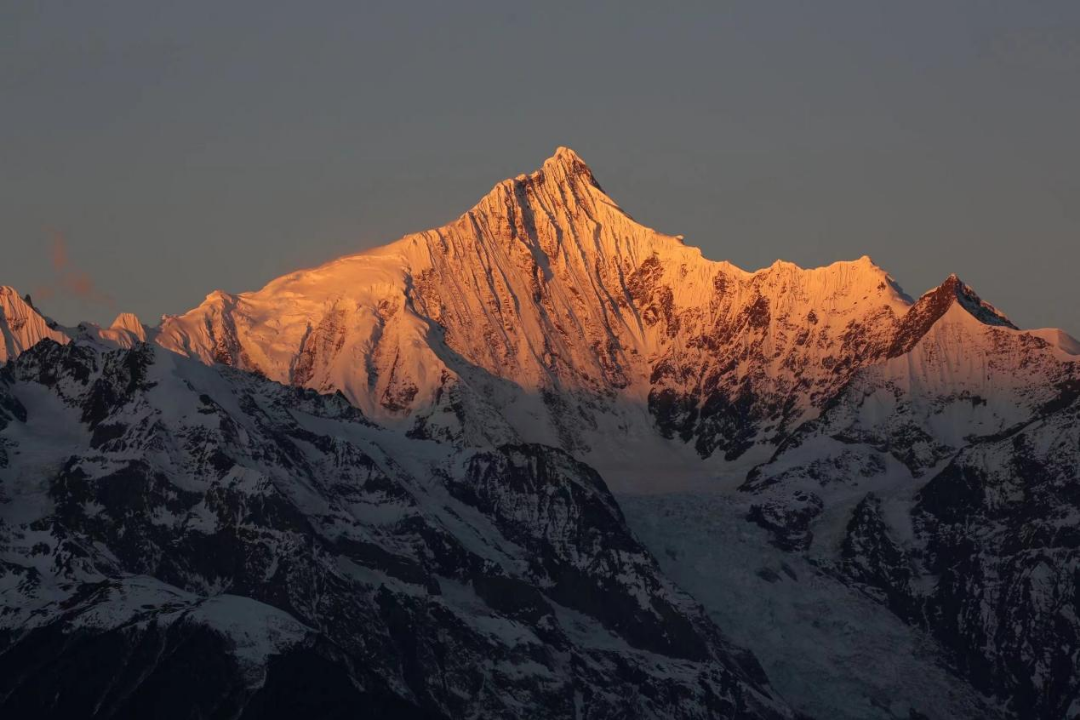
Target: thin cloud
{"x":58,"y":252}
{"x":68,"y":279}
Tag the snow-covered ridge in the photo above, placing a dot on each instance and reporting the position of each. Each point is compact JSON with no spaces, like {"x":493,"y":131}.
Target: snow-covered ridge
{"x":21,"y":325}
{"x":125,"y":332}
{"x":204,"y":526}
{"x":944,"y":476}
{"x":547,"y":313}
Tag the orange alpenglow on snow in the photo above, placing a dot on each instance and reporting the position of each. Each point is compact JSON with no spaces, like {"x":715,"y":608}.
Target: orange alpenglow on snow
{"x":548,"y":289}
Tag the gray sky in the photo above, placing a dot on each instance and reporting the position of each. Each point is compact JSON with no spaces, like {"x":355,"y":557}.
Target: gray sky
{"x":154,"y":151}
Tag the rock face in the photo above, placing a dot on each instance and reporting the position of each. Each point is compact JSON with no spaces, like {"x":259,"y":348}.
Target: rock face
{"x":161,"y":519}
{"x":547,"y":314}
{"x":944,"y":482}
{"x":384,"y":466}
{"x":999,"y":529}
{"x":21,"y":326}
{"x":991,"y":561}
{"x":547,"y":307}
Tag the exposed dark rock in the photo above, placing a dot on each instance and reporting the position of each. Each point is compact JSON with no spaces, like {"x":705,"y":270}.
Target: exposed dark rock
{"x":221,"y":546}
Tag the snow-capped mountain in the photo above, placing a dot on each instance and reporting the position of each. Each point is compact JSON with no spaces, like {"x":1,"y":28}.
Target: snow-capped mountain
{"x":546,"y":313}
{"x":126,"y":331}
{"x":161,"y":519}
{"x":405,"y":437}
{"x":944,"y":481}
{"x":21,"y":325}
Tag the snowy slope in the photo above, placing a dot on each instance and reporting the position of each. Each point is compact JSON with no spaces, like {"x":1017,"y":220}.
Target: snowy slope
{"x":827,"y":647}
{"x":126,"y":331}
{"x":828,"y":401}
{"x":21,"y":326}
{"x":943,"y":481}
{"x":549,"y":302}
{"x":161,"y":519}
{"x":547,"y":314}
{"x":963,"y":377}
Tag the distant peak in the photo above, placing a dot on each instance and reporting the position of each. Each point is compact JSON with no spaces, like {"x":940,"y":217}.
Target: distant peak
{"x":956,"y":289}
{"x":563,"y":177}
{"x":567,"y":166}
{"x":9,"y":296}
{"x":951,"y":286}
{"x":219,"y":297}
{"x":126,"y":321}
{"x":21,"y":325}
{"x":933,"y":305}
{"x":565,"y":156}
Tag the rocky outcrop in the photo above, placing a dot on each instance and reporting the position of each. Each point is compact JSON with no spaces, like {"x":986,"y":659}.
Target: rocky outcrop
{"x":21,"y":325}
{"x":548,"y":297}
{"x":999,"y":530}
{"x":426,"y":464}
{"x":949,"y":474}
{"x":177,"y":538}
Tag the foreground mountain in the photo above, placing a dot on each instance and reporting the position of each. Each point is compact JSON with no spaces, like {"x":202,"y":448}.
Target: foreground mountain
{"x":945,"y":481}
{"x":829,"y":647}
{"x":179,"y":540}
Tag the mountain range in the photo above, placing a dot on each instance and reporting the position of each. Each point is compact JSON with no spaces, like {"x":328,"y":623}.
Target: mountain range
{"x":426,"y":479}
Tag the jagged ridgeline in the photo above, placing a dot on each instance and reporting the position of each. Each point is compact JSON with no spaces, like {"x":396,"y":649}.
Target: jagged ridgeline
{"x":379,"y":476}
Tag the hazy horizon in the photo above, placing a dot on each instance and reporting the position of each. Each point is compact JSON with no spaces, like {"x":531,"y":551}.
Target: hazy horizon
{"x":157,"y":154}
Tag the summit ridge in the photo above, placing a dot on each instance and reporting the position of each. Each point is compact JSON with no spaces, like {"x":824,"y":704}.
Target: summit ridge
{"x":409,"y":446}
{"x":546,"y":297}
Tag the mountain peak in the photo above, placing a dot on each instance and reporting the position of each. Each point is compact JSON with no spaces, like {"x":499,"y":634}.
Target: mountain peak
{"x":566,"y":157}
{"x":21,"y":325}
{"x":129,"y":322}
{"x":564,"y":181}
{"x":566,"y":166}
{"x":933,"y":305}
{"x":984,"y":312}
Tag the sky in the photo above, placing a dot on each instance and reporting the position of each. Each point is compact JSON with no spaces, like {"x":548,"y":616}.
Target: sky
{"x":154,"y":152}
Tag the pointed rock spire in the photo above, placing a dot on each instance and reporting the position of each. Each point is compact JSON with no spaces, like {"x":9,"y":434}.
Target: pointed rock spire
{"x":979,"y":308}
{"x":563,"y":178}
{"x":21,"y":325}
{"x":566,"y":156}
{"x":568,"y":167}
{"x":934,"y":304}
{"x":560,"y":203}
